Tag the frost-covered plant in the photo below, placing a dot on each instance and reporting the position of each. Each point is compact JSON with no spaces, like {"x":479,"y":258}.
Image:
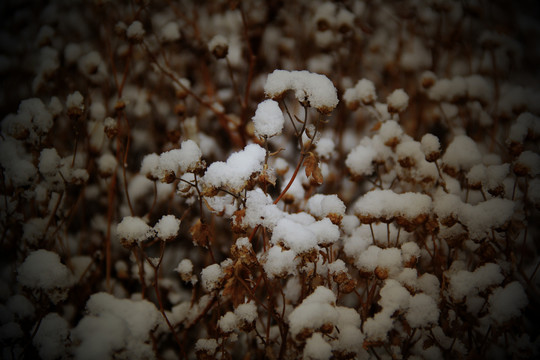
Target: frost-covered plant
{"x":283,"y":180}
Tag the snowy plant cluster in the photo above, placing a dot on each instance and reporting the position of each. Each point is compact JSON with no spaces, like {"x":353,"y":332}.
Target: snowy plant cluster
{"x":269,"y":179}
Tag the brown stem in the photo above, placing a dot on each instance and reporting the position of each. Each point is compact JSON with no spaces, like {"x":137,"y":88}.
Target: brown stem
{"x":223,"y":119}
{"x":110,"y":211}
{"x":302,"y":156}
{"x":124,"y":163}
{"x":160,"y":302}
{"x":140,"y":264}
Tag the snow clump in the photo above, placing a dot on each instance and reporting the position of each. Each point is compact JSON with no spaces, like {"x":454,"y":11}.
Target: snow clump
{"x":135,"y":31}
{"x":506,"y":303}
{"x":461,"y":154}
{"x":268,"y":119}
{"x":234,"y":174}
{"x":133,"y":229}
{"x":167,"y":227}
{"x":311,"y":89}
{"x":397,"y":101}
{"x":43,"y":270}
{"x":52,"y":337}
{"x":320,"y":302}
{"x":211,"y":277}
{"x":385,"y":205}
{"x":115,"y":326}
{"x":174,"y":163}
{"x":463,"y":283}
{"x":362,"y":93}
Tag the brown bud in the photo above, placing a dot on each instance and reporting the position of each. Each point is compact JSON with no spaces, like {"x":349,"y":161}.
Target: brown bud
{"x":381,"y":273}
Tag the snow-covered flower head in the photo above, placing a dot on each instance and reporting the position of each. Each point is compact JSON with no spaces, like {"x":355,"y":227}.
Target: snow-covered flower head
{"x":310,"y":89}
{"x":268,"y":119}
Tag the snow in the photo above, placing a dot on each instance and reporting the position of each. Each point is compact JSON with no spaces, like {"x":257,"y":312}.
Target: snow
{"x":409,"y":154}
{"x":345,"y":20}
{"x":520,"y":128}
{"x":415,"y":55}
{"x":170,"y":32}
{"x":314,"y":89}
{"x":358,"y":241}
{"x":534,"y":191}
{"x":176,"y":161}
{"x":394,"y":296}
{"x":31,"y":122}
{"x":325,"y":232}
{"x":211,"y":277}
{"x":320,"y":302}
{"x":206,"y":345}
{"x":337,"y":267}
{"x":133,"y":229}
{"x":52,"y":337}
{"x":464,"y":283}
{"x":422,"y":311}
{"x":17,"y":167}
{"x":448,"y":89}
{"x":447,"y":205}
{"x":496,"y":174}
{"x":479,"y":219}
{"x":224,"y":205}
{"x":325,"y":148}
{"x":110,"y":124}
{"x":360,"y":160}
{"x":390,"y":132}
{"x":34,"y":230}
{"x":91,"y":65}
{"x":75,"y":101}
{"x":167,"y":227}
{"x":377,"y":327}
{"x":228,"y":322}
{"x":20,"y":306}
{"x":234,"y":174}
{"x":43,"y":270}
{"x":135,"y":31}
{"x":477,"y":175}
{"x":530,"y":161}
{"x":408,"y":277}
{"x":49,"y":162}
{"x":268,"y":119}
{"x":397,"y":101}
{"x":279,"y":262}
{"x":295,"y":236}
{"x":320,"y":205}
{"x":47,"y":66}
{"x":72,"y":52}
{"x":363,"y":92}
{"x":386,"y":204}
{"x":350,"y":339}
{"x":430,"y":146}
{"x":325,"y":15}
{"x":410,"y":250}
{"x":317,"y":348}
{"x":479,"y":88}
{"x":10,"y":331}
{"x":462,"y":153}
{"x":107,"y":164}
{"x":506,"y":303}
{"x":184,"y":267}
{"x":150,"y":166}
{"x":115,"y":326}
{"x":247,"y":312}
{"x":390,"y":259}
{"x":218,"y":41}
